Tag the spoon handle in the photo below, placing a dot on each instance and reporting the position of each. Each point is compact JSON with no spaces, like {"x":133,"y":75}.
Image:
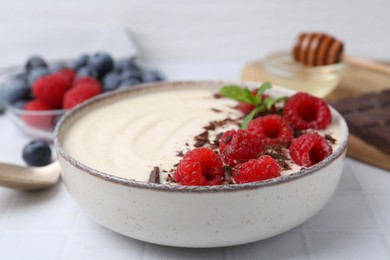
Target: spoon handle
{"x":29,"y":178}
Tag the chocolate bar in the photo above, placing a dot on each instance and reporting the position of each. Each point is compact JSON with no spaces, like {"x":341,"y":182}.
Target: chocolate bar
{"x":368,"y":117}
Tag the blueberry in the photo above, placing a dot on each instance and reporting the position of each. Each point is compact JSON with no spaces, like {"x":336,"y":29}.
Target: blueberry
{"x":129,"y":74}
{"x":81,"y":62}
{"x":58,"y":66}
{"x":17,"y":89}
{"x":37,"y":153}
{"x":111,"y":81}
{"x":125,"y":64}
{"x":129,"y":83}
{"x":151,"y":76}
{"x":35,"y":62}
{"x":20,"y":104}
{"x":19,"y":76}
{"x":87,"y":71}
{"x":36,"y":73}
{"x":102,"y":62}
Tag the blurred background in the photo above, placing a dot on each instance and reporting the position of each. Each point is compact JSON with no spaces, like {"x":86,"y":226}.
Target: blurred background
{"x":219,"y":30}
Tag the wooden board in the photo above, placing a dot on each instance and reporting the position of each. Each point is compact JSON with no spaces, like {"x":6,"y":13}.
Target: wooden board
{"x":356,"y":80}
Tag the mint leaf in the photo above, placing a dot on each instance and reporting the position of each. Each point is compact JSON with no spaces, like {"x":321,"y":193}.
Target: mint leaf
{"x":269,"y":102}
{"x":266,"y":85}
{"x":249,"y":117}
{"x":239,"y":94}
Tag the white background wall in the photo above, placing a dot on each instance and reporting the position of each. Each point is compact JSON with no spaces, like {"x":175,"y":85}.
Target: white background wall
{"x":209,"y":30}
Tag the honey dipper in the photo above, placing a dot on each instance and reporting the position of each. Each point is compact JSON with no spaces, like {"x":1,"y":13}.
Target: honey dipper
{"x":318,"y":49}
{"x":321,"y":49}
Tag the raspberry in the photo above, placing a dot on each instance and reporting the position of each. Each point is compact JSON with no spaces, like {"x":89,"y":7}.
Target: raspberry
{"x":304,"y":111}
{"x":199,"y":167}
{"x":309,"y":149}
{"x":45,"y":122}
{"x":256,"y":170}
{"x":51,"y":89}
{"x":68,"y":74}
{"x":80,"y":93}
{"x":239,"y":146}
{"x":272,"y":129}
{"x":84,"y":80}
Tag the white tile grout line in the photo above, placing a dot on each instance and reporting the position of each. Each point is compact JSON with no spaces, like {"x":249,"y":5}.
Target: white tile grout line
{"x":306,"y":235}
{"x":5,"y":214}
{"x":382,"y":228}
{"x":71,"y":232}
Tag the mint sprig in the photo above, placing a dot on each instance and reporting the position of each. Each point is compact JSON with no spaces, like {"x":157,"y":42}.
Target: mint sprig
{"x":245,"y":95}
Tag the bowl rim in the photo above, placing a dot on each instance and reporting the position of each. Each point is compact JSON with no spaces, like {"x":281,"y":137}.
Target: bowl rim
{"x":340,"y":151}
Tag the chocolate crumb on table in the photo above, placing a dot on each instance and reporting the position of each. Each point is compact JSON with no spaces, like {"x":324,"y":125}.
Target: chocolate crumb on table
{"x":155,"y":175}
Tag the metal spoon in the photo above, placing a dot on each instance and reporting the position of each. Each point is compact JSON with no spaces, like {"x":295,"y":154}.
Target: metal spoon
{"x":29,"y":178}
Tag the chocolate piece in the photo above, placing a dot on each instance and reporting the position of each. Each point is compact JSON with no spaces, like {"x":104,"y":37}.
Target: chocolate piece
{"x":155,"y":175}
{"x":368,"y":117}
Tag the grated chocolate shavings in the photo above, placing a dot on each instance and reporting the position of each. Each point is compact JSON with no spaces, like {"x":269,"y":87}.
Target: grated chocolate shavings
{"x":217,"y":96}
{"x":227,"y":139}
{"x":298,"y":133}
{"x":228,"y":171}
{"x":155,"y":175}
{"x":180,"y":154}
{"x":201,"y":139}
{"x":170,"y":179}
{"x":330,"y":139}
{"x":277,"y":156}
{"x":283,"y":164}
{"x":216,"y":110}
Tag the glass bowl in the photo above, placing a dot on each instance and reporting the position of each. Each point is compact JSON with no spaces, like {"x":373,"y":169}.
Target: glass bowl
{"x":36,"y":124}
{"x":319,"y":81}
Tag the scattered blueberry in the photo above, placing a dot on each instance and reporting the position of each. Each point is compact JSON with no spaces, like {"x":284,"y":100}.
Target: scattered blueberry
{"x":37,"y":153}
{"x":102,"y":62}
{"x":111,"y":81}
{"x":17,"y":89}
{"x":81,"y":61}
{"x":130,"y":74}
{"x":87,"y":71}
{"x":151,"y":76}
{"x":129,"y":83}
{"x":35,"y":62}
{"x":36,"y":73}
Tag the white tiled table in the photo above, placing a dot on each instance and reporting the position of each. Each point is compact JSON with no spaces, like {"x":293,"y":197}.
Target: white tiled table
{"x":355,"y":224}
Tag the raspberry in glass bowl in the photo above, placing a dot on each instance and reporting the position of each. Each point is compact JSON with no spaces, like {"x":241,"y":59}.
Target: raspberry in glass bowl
{"x":38,"y":94}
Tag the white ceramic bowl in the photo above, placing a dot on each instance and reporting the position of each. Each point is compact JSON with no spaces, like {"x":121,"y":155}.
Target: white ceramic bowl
{"x":188,"y":216}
